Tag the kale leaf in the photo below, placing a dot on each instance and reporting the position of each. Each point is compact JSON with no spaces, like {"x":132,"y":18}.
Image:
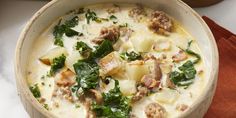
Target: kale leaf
{"x":103,"y":49}
{"x":87,"y":74}
{"x":65,"y":28}
{"x":185,"y":76}
{"x":190,"y":52}
{"x":91,"y":15}
{"x":83,"y":49}
{"x":57,"y":63}
{"x":131,"y":56}
{"x":115,"y":104}
{"x":35,"y":91}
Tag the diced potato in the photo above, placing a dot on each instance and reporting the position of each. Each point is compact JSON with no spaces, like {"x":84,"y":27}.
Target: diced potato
{"x":167,"y":96}
{"x":142,"y":43}
{"x":51,"y":54}
{"x":72,"y":59}
{"x":110,"y":64}
{"x":136,"y":70}
{"x":162,"y":45}
{"x":127,"y":87}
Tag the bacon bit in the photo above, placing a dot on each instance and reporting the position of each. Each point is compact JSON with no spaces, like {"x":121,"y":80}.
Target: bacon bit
{"x":45,"y":61}
{"x":169,"y":83}
{"x":181,"y":107}
{"x":67,"y":79}
{"x":157,"y":71}
{"x":149,"y":81}
{"x":181,"y":56}
{"x":154,"y":110}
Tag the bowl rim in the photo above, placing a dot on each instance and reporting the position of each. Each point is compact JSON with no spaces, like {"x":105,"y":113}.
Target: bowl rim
{"x":33,"y":102}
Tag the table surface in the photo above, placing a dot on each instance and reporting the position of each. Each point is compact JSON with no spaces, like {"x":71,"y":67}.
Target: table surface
{"x":13,"y":17}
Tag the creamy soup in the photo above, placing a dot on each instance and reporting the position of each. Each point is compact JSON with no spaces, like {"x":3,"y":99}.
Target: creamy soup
{"x":116,"y":61}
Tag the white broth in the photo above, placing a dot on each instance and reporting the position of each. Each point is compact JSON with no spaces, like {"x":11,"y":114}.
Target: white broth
{"x":77,"y":60}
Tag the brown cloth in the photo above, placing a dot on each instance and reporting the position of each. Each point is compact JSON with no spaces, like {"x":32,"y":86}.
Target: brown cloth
{"x":224,"y":101}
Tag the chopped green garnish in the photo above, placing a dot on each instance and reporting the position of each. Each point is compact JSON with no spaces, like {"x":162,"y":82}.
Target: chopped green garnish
{"x":87,"y":74}
{"x":83,"y":49}
{"x":131,"y":56}
{"x":65,"y":28}
{"x":92,"y":16}
{"x":123,"y":25}
{"x":115,"y":104}
{"x":46,"y":106}
{"x":185,"y":75}
{"x":77,"y":106}
{"x":35,"y":91}
{"x":190,"y":52}
{"x":113,"y":19}
{"x":57,"y":63}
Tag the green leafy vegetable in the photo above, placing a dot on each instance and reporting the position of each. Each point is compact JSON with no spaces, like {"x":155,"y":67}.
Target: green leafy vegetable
{"x":87,"y":73}
{"x":185,"y":76}
{"x":83,"y":49}
{"x":57,"y":63}
{"x":103,"y":49}
{"x":131,"y":56}
{"x":115,"y":104}
{"x":190,"y":52}
{"x":35,"y":91}
{"x":65,"y":28}
{"x":114,"y":19}
{"x":92,"y":16}
{"x":46,"y":106}
{"x":123,"y":25}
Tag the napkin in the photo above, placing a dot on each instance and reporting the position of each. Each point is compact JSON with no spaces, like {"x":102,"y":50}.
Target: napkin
{"x":224,"y":101}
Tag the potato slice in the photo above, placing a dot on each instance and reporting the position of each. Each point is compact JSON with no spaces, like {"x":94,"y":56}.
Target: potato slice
{"x":127,"y":87}
{"x":51,"y":54}
{"x":136,"y":69}
{"x":142,"y":43}
{"x":110,"y":64}
{"x":165,"y":93}
{"x":72,"y":59}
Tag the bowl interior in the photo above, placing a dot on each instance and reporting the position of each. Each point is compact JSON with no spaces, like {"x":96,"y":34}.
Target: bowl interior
{"x":175,"y":8}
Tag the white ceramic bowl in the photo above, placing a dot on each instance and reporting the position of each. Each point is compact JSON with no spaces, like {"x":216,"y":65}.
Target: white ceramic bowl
{"x":189,"y":19}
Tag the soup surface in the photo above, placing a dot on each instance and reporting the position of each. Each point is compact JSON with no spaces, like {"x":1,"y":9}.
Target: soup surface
{"x":116,"y":61}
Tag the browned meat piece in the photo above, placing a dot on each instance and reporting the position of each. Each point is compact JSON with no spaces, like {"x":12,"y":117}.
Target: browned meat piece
{"x":67,"y":79}
{"x":87,"y":104}
{"x":160,"y":22}
{"x":154,"y":110}
{"x":181,"y":56}
{"x":157,"y":71}
{"x":137,"y":11}
{"x":142,"y":92}
{"x":181,"y":107}
{"x":149,"y":81}
{"x":97,"y":95}
{"x":111,"y":33}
